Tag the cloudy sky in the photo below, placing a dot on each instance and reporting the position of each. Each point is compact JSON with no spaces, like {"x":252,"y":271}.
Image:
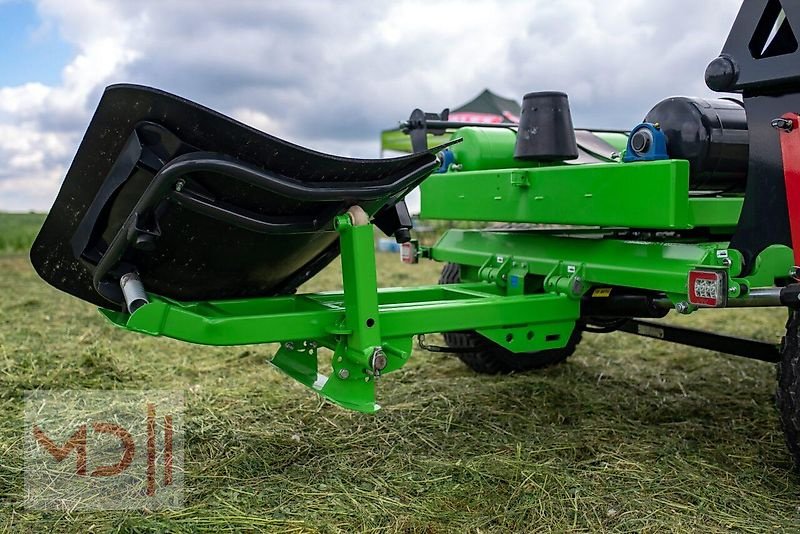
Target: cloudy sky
{"x":331,"y":74}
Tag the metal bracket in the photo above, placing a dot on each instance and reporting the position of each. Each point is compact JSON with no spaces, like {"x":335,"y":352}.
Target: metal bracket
{"x":568,"y":279}
{"x":345,"y":386}
{"x":506,"y":273}
{"x":359,"y":356}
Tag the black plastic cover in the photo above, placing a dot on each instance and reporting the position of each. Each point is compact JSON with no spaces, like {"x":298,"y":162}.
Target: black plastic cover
{"x":181,"y":252}
{"x":545,"y":128}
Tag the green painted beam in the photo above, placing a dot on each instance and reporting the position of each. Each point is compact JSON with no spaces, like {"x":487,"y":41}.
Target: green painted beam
{"x":359,"y":281}
{"x":653,"y":195}
{"x":656,"y":266}
{"x":401,"y":313}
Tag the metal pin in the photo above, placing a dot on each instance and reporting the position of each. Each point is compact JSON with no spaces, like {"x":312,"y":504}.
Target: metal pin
{"x":783,"y":124}
{"x":682,"y":307}
{"x":133,"y":291}
{"x":379,"y":360}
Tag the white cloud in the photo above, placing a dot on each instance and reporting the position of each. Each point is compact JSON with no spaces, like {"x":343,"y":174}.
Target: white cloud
{"x":23,"y":100}
{"x":331,"y":75}
{"x":257,"y":119}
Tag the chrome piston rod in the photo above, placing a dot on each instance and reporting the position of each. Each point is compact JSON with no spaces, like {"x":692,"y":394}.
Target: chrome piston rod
{"x":759,"y":297}
{"x":133,"y":291}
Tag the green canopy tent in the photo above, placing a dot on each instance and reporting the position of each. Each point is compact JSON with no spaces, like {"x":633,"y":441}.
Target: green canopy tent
{"x":487,"y":107}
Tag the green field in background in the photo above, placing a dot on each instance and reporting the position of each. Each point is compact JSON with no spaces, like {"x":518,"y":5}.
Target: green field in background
{"x":17,"y":230}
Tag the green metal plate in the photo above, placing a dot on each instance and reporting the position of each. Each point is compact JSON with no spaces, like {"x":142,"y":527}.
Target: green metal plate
{"x":653,"y":195}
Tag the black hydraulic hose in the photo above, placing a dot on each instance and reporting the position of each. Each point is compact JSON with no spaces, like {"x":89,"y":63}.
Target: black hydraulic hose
{"x":291,"y":188}
{"x":165,"y":180}
{"x":282,"y":185}
{"x":250,"y":221}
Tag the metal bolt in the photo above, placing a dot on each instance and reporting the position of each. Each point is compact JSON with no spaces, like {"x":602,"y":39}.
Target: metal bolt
{"x":312,"y":344}
{"x":179,"y":185}
{"x":682,"y":307}
{"x":289,"y":345}
{"x":344,"y":374}
{"x":783,"y":124}
{"x":577,"y":285}
{"x":379,"y":360}
{"x":726,"y":262}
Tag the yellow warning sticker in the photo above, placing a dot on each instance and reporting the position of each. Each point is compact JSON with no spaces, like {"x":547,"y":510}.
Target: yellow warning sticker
{"x":601,"y":292}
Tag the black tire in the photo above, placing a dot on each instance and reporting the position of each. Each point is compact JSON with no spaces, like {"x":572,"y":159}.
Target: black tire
{"x":787,"y":396}
{"x":485,"y":357}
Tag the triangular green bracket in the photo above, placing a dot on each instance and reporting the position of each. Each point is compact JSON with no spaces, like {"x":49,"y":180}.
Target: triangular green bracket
{"x":347,"y":386}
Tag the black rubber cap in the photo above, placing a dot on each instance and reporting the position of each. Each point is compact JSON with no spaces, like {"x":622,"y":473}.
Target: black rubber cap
{"x":722,"y":74}
{"x":402,"y":235}
{"x":545,"y":128}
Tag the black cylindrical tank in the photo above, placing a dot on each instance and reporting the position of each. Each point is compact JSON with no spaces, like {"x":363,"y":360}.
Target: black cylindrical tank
{"x":711,"y":134}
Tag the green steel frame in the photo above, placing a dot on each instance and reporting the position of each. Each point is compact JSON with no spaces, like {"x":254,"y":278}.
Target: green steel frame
{"x":572,"y":263}
{"x":652,"y":195}
{"x":369,"y":330}
{"x":520,"y":289}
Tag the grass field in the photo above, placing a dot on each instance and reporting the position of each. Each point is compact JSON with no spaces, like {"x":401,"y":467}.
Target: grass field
{"x":17,"y":230}
{"x":630,"y":435}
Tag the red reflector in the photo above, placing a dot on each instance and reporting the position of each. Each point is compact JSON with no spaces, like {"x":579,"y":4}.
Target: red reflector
{"x":408,"y":252}
{"x":708,"y":288}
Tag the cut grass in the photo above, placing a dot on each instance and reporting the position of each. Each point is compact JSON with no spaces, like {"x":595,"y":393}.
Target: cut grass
{"x":630,"y":435}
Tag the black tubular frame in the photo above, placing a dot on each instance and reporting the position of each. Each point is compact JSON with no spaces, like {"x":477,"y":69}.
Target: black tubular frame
{"x":737,"y":346}
{"x":164,"y":187}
